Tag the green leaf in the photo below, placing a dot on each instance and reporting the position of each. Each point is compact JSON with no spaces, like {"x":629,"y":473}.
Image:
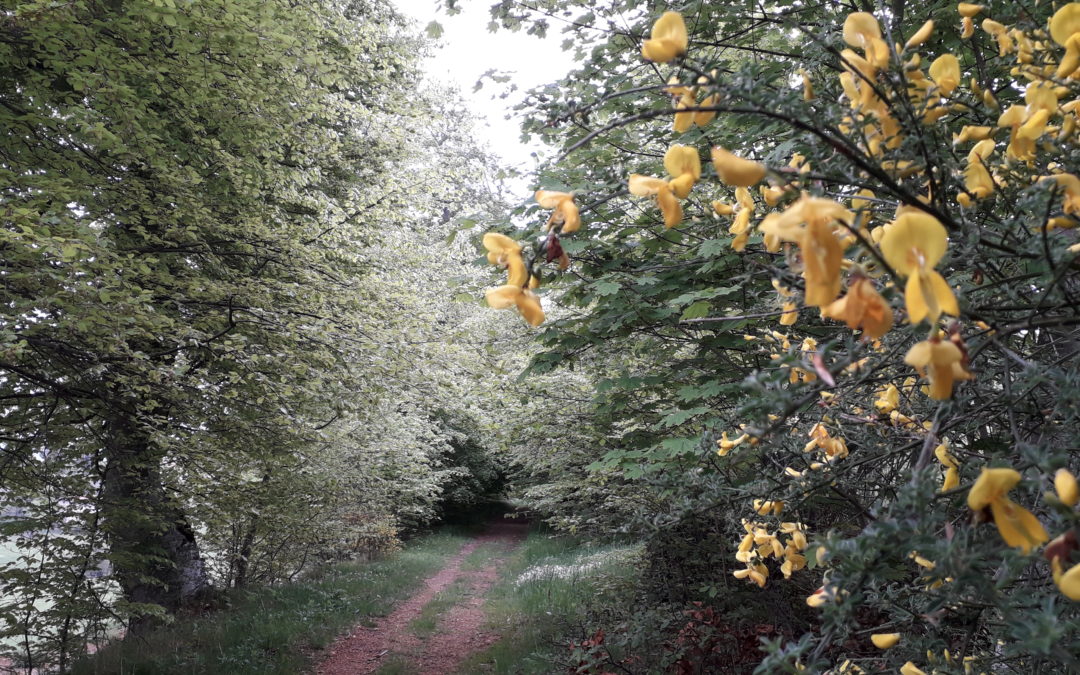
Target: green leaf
{"x":697,"y":310}
{"x":607,"y":288}
{"x":679,"y":416}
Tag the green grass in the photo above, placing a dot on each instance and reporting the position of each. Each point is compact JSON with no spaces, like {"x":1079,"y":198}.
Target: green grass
{"x":544,"y":590}
{"x":277,"y":630}
{"x":425,"y":624}
{"x":482,"y":555}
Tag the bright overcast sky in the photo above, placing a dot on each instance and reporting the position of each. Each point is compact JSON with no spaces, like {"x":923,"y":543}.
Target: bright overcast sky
{"x":467,"y":50}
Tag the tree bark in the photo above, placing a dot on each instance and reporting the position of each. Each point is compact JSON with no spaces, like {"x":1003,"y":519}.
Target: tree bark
{"x":154,"y":554}
{"x":242,"y":561}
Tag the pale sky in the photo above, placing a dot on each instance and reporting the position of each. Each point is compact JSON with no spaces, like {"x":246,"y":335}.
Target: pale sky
{"x":467,"y":50}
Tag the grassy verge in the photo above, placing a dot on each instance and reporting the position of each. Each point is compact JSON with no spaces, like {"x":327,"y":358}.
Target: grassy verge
{"x":276,"y":630}
{"x":543,"y":595}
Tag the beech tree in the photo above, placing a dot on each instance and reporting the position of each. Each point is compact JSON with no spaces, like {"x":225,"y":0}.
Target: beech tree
{"x":188,"y":193}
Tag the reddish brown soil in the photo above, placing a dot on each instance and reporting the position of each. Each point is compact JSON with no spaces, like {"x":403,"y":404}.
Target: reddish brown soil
{"x":459,"y":632}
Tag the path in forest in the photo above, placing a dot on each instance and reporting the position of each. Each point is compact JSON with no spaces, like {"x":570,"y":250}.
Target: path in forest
{"x":459,"y":630}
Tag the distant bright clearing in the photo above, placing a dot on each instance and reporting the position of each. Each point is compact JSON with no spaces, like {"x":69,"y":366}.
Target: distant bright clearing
{"x":467,"y":50}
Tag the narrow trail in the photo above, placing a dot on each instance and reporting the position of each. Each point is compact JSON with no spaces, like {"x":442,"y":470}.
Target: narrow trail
{"x":459,"y":631}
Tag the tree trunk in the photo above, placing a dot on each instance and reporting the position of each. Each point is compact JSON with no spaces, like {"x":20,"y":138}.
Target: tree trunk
{"x":242,"y":561}
{"x":154,"y":554}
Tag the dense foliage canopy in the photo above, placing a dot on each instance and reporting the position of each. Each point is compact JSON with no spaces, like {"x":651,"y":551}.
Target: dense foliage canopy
{"x":224,"y":357}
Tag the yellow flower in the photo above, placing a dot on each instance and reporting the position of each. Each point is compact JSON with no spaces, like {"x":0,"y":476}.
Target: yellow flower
{"x":764,"y":507}
{"x":1067,"y":582}
{"x":952,"y":467}
{"x":968,"y":10}
{"x":722,"y":209}
{"x":888,"y":400}
{"x":1005,"y":43}
{"x":1018,"y":526}
{"x":945,"y":72}
{"x":1034,"y":126}
{"x":822,"y":255}
{"x":1065,"y":485}
{"x":505,"y":252}
{"x":565,"y":212}
{"x":972,"y":133}
{"x":643,"y":186}
{"x":967,"y":28}
{"x":1065,"y":23}
{"x":913,"y":244}
{"x":499,"y":244}
{"x":793,"y":562}
{"x":923,"y":562}
{"x":807,"y":86}
{"x":910,"y":668}
{"x":1065,"y":30}
{"x":941,"y":362}
{"x":703,"y":117}
{"x":818,"y":598}
{"x":808,"y":222}
{"x":789,"y":314}
{"x":862,"y":307}
{"x":527,"y":302}
{"x":920,"y":36}
{"x":861,"y":30}
{"x":1041,"y":96}
{"x":977,"y":179}
{"x":684,"y":99}
{"x":1070,"y":186}
{"x":757,"y":572}
{"x":668,"y":39}
{"x":736,"y":171}
{"x":771,"y":195}
{"x":725,"y":445}
{"x":885,"y":640}
{"x":684,"y":165}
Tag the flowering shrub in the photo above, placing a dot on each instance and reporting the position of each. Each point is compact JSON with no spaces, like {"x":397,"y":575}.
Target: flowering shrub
{"x":874,"y":280}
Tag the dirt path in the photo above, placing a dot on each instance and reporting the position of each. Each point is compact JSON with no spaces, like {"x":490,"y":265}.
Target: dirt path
{"x":458,"y":632}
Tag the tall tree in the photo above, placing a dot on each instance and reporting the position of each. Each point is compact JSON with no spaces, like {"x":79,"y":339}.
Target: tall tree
{"x":187,"y":192}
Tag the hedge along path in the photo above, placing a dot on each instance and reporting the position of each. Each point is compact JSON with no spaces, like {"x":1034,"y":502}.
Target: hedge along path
{"x":459,"y":632}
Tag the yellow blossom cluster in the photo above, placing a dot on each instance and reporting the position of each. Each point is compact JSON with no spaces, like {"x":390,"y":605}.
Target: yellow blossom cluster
{"x":506,"y":253}
{"x":827,"y":449}
{"x":564,"y":214}
{"x":684,"y":166}
{"x":1020,"y":528}
{"x":761,"y":543}
{"x":689,"y":112}
{"x":516,"y":292}
{"x":952,"y":467}
{"x":725,"y":445}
